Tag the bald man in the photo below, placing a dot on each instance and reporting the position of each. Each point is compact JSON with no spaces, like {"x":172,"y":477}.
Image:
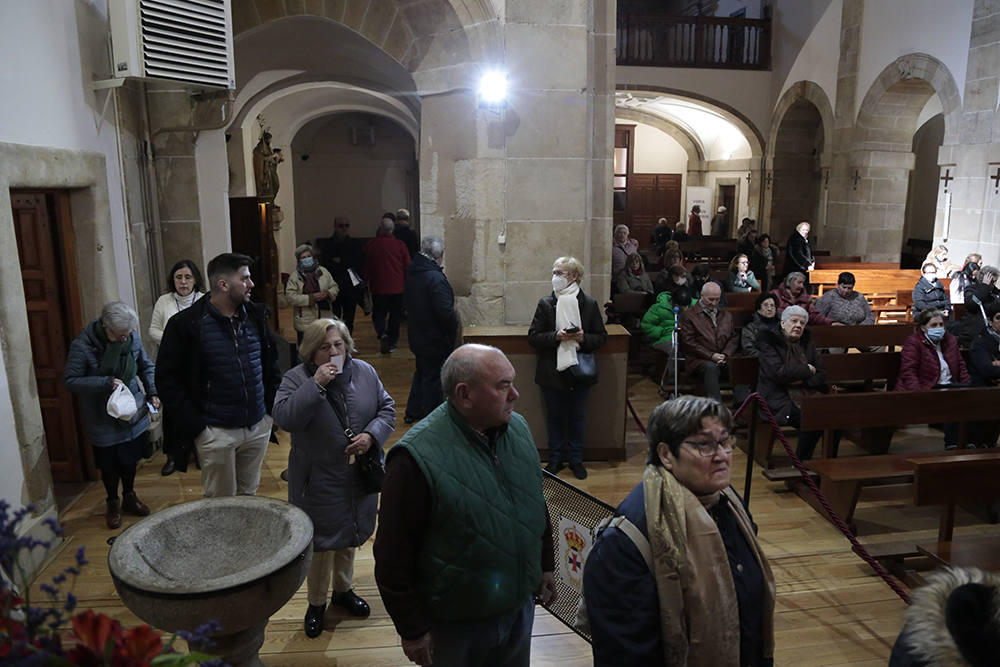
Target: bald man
{"x":464,"y":544}
{"x":708,"y":339}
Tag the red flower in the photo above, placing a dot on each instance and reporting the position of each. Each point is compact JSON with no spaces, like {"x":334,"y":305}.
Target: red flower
{"x":95,"y":636}
{"x":137,"y":647}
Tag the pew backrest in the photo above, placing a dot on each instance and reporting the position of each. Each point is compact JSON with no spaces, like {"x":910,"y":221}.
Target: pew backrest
{"x":893,"y":335}
{"x":948,"y":479}
{"x":898,"y":408}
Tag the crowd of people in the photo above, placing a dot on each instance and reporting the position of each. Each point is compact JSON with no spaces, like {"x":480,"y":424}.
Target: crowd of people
{"x":464,"y":543}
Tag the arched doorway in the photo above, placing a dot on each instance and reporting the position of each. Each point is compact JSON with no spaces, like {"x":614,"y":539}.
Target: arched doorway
{"x":797,"y":169}
{"x":921,"y":198}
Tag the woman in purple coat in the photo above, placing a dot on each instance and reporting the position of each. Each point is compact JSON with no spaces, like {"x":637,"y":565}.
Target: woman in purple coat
{"x":317,"y":402}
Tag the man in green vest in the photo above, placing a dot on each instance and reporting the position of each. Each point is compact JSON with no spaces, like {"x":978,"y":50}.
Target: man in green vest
{"x":464,"y":544}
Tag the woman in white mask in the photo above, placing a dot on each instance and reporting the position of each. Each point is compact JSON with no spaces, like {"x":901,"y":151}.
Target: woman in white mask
{"x":566,"y":330}
{"x":318,"y":401}
{"x":931,"y":359}
{"x":310,"y":291}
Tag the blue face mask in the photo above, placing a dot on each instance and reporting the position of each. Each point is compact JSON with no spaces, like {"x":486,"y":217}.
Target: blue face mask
{"x":935,"y":335}
{"x":307,"y":263}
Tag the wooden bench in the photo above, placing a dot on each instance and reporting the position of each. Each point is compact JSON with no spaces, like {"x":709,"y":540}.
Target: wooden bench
{"x":871,"y":281}
{"x":888,"y":335}
{"x":840,"y":368}
{"x":827,"y":412}
{"x":721,"y":250}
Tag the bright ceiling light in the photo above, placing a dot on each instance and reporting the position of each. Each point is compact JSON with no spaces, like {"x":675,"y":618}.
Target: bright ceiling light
{"x":493,"y":87}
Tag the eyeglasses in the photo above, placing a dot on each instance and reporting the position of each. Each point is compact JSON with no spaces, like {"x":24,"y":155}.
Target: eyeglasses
{"x":709,"y":447}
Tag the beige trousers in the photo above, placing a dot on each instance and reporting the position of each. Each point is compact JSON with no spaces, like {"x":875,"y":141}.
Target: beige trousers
{"x":337,"y":564}
{"x":231,"y":458}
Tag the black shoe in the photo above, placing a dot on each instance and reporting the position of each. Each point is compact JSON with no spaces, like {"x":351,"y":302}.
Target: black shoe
{"x":407,"y":419}
{"x":314,"y":620}
{"x":168,"y":468}
{"x":383,"y":344}
{"x":284,"y":475}
{"x":578,"y":470}
{"x":354,"y":605}
{"x":554,"y":468}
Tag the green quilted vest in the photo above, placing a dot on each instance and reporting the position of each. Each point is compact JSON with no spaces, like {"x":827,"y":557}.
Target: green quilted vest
{"x":482,"y":554}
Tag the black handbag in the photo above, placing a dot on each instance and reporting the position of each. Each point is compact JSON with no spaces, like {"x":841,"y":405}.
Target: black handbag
{"x":369,"y":466}
{"x":585,"y":370}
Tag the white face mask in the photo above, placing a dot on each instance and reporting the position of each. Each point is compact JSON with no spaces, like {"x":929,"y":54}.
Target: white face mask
{"x":338,"y":361}
{"x":931,"y":277}
{"x":559,"y":283}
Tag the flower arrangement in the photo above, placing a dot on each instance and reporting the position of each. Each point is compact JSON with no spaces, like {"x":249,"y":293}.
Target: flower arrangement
{"x":34,"y":635}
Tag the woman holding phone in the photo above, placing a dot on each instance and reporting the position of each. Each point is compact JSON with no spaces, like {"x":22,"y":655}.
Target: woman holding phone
{"x":567,"y":325}
{"x":336,"y":409}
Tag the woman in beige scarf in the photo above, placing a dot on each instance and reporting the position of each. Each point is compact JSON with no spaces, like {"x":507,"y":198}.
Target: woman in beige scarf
{"x":708,"y":597}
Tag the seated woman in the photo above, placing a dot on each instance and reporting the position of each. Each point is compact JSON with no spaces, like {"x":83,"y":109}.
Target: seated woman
{"x":672,"y":279}
{"x":765,"y":316}
{"x":931,"y":359}
{"x":961,"y":280}
{"x":762,"y":262}
{"x":939,"y":258}
{"x":978,"y":296}
{"x":928,"y":293}
{"x":634,"y":278}
{"x":984,"y":369}
{"x":689,"y":607}
{"x":740,"y":277}
{"x":790,"y":367}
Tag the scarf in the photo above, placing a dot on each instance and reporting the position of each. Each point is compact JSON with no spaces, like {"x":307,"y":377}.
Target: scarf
{"x":567,"y":316}
{"x":310,"y":279}
{"x":185,"y":301}
{"x":699,"y":616}
{"x":117,"y":360}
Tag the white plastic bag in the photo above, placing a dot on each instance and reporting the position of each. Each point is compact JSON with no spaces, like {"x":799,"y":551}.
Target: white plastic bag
{"x":122,"y":405}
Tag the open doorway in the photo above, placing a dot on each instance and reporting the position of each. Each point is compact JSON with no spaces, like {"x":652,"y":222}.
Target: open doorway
{"x":922,"y":192}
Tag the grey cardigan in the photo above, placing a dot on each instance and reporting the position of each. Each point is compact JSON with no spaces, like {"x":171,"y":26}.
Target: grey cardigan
{"x":320,"y":479}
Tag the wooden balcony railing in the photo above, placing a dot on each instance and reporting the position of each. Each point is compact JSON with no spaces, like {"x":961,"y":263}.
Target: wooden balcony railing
{"x":693,"y":41}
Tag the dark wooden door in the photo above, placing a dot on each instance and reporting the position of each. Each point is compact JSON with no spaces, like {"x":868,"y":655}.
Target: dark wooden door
{"x":727,"y":198}
{"x":49,"y":276}
{"x":651,"y":197}
{"x":251,"y":235}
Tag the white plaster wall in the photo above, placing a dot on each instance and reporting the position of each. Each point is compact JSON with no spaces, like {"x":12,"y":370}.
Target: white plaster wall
{"x":817,"y":59}
{"x":213,"y":193}
{"x":894,"y":28}
{"x":657,"y":152}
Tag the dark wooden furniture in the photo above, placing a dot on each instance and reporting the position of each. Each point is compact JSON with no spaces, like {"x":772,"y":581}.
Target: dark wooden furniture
{"x":251,"y":234}
{"x":663,"y":40}
{"x":889,"y":335}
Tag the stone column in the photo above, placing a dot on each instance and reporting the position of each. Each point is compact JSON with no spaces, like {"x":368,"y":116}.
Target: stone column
{"x":514,"y":188}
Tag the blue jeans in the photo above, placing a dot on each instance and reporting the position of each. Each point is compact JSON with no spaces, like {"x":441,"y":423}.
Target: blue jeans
{"x":499,"y":641}
{"x":564,"y":417}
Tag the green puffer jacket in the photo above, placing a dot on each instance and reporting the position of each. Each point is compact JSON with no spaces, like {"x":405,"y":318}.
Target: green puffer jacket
{"x":482,"y":554}
{"x":658,"y":322}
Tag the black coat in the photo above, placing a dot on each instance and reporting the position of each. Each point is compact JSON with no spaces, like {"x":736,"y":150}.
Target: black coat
{"x":350,"y":254}
{"x":406,"y":234}
{"x":542,"y":336}
{"x":180,"y":376}
{"x":973,"y":323}
{"x":778,"y":374}
{"x":927,"y":295}
{"x":985,"y":350}
{"x":430,"y":307}
{"x":798,"y":254}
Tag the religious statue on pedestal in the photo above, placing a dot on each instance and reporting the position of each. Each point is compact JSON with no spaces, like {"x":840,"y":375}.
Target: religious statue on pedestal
{"x":265,"y":167}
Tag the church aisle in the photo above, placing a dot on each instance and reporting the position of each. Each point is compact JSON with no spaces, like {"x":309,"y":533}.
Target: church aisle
{"x":831,"y":608}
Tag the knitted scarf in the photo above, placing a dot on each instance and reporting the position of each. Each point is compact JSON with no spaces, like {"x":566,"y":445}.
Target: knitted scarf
{"x":117,"y":360}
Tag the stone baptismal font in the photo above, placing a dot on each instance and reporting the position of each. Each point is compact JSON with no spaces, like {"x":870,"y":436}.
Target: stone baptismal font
{"x":235,"y":560}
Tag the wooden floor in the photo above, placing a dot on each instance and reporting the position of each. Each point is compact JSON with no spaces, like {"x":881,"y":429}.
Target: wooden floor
{"x":831,"y":608}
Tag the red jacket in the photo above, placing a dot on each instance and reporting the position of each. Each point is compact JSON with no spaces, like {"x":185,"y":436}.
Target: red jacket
{"x":694,"y":225}
{"x":804,"y":299}
{"x":386,"y":259}
{"x":920,"y":369}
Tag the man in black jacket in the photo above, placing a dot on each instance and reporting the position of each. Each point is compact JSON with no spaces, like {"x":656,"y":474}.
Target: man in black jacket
{"x":432,"y":325}
{"x":340,"y":254}
{"x":218,"y":366}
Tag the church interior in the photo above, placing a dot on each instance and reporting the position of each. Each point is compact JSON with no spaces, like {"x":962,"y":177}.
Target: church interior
{"x":873,"y":120}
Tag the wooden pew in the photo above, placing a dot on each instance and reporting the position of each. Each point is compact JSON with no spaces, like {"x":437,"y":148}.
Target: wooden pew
{"x":828,"y":412}
{"x":708,"y":249}
{"x":889,"y":335}
{"x":840,"y":368}
{"x":850,"y":262}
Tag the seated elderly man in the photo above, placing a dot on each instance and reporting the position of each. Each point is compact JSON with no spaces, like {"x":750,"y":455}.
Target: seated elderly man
{"x":792,"y":292}
{"x":708,"y":339}
{"x":845,"y":306}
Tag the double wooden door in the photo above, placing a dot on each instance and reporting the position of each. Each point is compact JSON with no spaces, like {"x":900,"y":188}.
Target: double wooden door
{"x":651,"y":197}
{"x":48,"y":275}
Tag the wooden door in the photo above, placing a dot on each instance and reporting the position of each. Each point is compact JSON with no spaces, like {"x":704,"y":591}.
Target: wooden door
{"x":251,"y":235}
{"x":48,"y":274}
{"x":651,"y":197}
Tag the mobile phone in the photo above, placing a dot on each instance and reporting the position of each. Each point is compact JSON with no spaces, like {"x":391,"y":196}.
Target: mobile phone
{"x":572,"y":329}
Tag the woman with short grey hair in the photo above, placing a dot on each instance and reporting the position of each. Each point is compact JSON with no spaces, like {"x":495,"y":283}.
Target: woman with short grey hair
{"x":707,"y":598}
{"x":310,"y":291}
{"x":105,"y":355}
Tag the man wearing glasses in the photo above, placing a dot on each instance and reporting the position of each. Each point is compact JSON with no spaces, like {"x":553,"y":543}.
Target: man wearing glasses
{"x":340,"y":255}
{"x":678,"y":577}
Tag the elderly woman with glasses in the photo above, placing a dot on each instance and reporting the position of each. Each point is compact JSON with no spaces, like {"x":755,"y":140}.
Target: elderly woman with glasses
{"x":566,"y":326}
{"x":703,"y":593}
{"x":336,"y":409}
{"x":107,"y":354}
{"x":790,"y":367}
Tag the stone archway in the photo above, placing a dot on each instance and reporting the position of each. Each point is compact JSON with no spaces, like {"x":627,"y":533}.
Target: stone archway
{"x":881,"y":155}
{"x":696,"y":166}
{"x":798,"y":160}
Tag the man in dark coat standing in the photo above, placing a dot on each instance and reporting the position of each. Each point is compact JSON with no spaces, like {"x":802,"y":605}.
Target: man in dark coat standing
{"x":433,"y":325}
{"x":405,"y":233}
{"x":339,"y":254}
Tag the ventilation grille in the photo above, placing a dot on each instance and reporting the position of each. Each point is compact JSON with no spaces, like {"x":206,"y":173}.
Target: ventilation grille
{"x":187,"y":40}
